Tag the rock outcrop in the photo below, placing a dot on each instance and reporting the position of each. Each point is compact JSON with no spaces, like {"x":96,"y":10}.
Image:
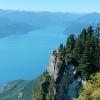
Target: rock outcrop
{"x":52,"y":67}
{"x":66,"y":85}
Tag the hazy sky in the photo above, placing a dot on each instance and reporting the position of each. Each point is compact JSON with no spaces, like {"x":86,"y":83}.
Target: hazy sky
{"x":52,"y":5}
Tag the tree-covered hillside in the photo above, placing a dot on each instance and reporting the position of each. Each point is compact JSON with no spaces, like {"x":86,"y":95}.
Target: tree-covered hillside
{"x":83,"y":51}
{"x":18,"y":90}
{"x":23,"y":89}
{"x":92,"y":89}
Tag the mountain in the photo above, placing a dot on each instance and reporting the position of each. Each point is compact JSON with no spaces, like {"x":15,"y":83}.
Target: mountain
{"x":82,"y":22}
{"x":22,"y":89}
{"x":17,"y":90}
{"x":73,"y":70}
{"x":22,"y":22}
{"x":8,"y":27}
{"x":70,"y":68}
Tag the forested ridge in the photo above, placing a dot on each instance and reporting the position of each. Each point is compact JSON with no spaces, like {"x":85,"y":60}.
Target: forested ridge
{"x":83,"y":51}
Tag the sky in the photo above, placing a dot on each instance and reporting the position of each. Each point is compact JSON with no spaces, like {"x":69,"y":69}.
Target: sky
{"x":78,"y":6}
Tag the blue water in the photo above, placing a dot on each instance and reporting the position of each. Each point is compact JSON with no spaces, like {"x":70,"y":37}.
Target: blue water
{"x":26,"y":56}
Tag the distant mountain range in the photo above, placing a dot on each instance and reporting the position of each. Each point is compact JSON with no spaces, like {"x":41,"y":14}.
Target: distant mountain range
{"x":22,"y":22}
{"x":82,"y":22}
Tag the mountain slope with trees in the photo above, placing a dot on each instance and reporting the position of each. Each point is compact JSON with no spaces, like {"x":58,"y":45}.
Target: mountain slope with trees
{"x":78,"y":59}
{"x":83,"y":52}
{"x":92,"y":89}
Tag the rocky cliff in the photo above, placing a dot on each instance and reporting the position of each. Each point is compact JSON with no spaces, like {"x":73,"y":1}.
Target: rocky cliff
{"x":52,"y":67}
{"x":66,"y":84}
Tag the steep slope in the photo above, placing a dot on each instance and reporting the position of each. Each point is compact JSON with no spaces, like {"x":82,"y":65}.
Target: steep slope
{"x":22,"y":22}
{"x":69,"y":70}
{"x":17,"y":90}
{"x":71,"y":66}
{"x":92,"y":89}
{"x":8,"y":27}
{"x":66,"y":86}
{"x":82,"y":22}
{"x":23,"y":89}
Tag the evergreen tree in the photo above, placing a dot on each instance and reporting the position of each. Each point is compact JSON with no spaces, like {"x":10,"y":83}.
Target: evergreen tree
{"x":70,"y":44}
{"x":80,"y":45}
{"x":88,"y":56}
{"x":61,"y":52}
{"x":98,"y":46}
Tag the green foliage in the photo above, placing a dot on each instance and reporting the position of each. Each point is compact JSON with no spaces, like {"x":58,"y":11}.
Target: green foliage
{"x":92,"y":89}
{"x":37,"y":90}
{"x":83,"y":51}
{"x":13,"y":90}
{"x":44,"y":88}
{"x":70,"y":43}
{"x":61,"y":51}
{"x":50,"y":95}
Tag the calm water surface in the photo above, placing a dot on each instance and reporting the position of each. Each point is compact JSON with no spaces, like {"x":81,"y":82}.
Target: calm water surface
{"x":26,"y":56}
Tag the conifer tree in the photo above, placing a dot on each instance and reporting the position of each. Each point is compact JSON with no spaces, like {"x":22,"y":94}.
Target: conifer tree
{"x":70,"y":44}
